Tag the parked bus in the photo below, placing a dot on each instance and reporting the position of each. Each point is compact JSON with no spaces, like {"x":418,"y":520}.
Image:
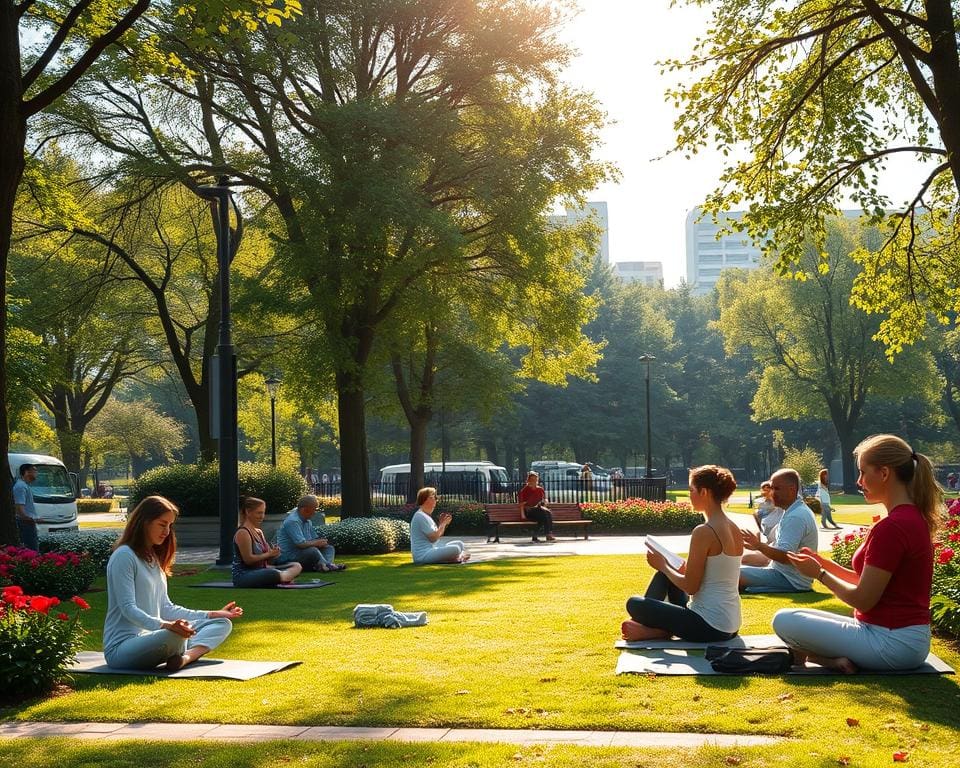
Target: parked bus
{"x":480,"y":480}
{"x":54,"y":492}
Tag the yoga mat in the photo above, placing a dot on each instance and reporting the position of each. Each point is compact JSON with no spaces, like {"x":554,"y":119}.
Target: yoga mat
{"x":740,"y":641}
{"x":92,"y":662}
{"x":677,"y":661}
{"x":295,"y":585}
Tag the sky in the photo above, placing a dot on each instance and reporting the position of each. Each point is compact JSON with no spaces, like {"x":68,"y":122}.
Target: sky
{"x":620,"y":43}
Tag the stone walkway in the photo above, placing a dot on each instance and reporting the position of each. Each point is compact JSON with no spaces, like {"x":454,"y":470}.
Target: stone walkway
{"x":258,"y":733}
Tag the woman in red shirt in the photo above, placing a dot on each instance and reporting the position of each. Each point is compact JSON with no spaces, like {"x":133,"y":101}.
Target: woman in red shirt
{"x":889,"y":584}
{"x":533,"y":505}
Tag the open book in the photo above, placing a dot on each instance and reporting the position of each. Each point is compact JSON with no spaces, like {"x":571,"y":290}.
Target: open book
{"x":671,"y":557}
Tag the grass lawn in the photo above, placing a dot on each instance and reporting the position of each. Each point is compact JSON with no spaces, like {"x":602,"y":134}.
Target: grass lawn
{"x":520,"y":643}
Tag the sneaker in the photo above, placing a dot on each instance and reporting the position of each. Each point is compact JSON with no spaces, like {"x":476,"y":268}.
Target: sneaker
{"x":535,"y":539}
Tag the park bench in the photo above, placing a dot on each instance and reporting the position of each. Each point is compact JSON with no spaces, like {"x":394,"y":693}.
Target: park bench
{"x":508,"y":515}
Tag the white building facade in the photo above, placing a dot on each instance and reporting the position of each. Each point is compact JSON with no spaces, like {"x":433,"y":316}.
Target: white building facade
{"x":645,"y":272}
{"x":592,"y":210}
{"x":707,"y":254}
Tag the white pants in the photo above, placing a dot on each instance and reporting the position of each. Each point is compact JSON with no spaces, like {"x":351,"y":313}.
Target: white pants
{"x":448,"y":552}
{"x":869,"y":646}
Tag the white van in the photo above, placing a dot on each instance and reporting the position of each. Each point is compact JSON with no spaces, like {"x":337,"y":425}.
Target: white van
{"x":478,"y":479}
{"x":53,"y":492}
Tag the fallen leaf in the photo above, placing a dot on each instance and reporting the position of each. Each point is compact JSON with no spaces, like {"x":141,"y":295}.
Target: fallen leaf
{"x":696,"y":697}
{"x":464,"y":692}
{"x":517,"y":756}
{"x":843,"y":760}
{"x":784,"y":696}
{"x":853,"y":722}
{"x":923,"y":726}
{"x":899,"y":757}
{"x":731,"y":760}
{"x":548,"y":679}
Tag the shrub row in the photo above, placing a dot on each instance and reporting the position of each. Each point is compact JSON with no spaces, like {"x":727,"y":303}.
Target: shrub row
{"x":94,"y":505}
{"x":195,"y":488}
{"x":98,"y":543}
{"x":53,"y":574}
{"x":366,"y":535}
{"x":468,"y":516}
{"x":641,"y":516}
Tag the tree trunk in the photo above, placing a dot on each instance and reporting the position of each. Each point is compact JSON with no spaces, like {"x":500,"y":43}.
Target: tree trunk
{"x":13,"y":136}
{"x":418,"y":454}
{"x":354,"y":463}
{"x":847,"y":444}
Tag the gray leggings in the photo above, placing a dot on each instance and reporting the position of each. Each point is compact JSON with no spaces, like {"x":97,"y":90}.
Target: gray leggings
{"x":150,"y":649}
{"x":444,"y":553}
{"x":869,"y":646}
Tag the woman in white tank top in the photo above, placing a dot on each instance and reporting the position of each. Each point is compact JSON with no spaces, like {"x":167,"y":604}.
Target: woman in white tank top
{"x":698,"y":601}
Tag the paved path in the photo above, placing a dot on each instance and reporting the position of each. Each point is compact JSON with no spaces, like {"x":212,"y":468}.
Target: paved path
{"x":257,"y":733}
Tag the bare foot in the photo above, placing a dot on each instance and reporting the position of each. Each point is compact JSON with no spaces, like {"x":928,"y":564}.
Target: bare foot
{"x":176,"y":662}
{"x":634,"y":630}
{"x":463,"y":557}
{"x":840,"y":663}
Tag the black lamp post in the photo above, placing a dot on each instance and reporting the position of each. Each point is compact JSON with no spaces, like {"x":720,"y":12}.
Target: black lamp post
{"x":648,"y":359}
{"x":273,"y":386}
{"x":226,"y":371}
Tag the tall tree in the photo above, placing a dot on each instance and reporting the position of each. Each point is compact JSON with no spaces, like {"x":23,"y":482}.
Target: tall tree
{"x":817,"y":352}
{"x":812,"y":101}
{"x":46,"y":46}
{"x":392,"y":141}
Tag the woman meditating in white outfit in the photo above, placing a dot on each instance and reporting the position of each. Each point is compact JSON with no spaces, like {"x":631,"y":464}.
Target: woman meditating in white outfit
{"x":425,"y":533}
{"x":143,"y":629}
{"x":699,"y":601}
{"x":889,"y":584}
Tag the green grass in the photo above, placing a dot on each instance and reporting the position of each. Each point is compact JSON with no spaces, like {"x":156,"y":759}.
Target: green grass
{"x":520,"y":643}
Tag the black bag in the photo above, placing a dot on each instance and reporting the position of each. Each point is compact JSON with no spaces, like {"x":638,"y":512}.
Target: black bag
{"x":749,"y":661}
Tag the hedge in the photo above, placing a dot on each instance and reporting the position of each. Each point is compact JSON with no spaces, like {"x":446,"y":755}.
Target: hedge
{"x":641,"y":516}
{"x":94,"y":505}
{"x":194,"y":488}
{"x":366,"y":535}
{"x":468,"y":516}
{"x":97,"y":543}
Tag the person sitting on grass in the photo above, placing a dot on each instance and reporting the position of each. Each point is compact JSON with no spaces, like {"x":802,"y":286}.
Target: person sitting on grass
{"x":699,"y":601}
{"x":297,"y":541}
{"x":143,"y":629}
{"x":533,"y":505}
{"x":767,"y":568}
{"x":252,"y":554}
{"x":425,"y":534}
{"x":889,"y":584}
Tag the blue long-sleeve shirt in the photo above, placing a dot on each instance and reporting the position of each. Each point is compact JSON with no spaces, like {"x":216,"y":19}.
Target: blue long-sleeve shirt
{"x":137,"y":599}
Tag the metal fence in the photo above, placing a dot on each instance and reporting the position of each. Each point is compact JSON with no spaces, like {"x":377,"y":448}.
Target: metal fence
{"x":479,"y":489}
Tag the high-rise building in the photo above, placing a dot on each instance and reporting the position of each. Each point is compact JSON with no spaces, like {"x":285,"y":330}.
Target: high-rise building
{"x":707,"y":254}
{"x":646,"y":272}
{"x":597,"y":211}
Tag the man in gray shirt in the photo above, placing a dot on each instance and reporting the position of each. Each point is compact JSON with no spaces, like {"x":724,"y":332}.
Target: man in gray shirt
{"x":797,"y":529}
{"x":26,"y":510}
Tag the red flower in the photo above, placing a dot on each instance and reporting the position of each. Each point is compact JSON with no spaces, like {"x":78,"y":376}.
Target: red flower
{"x":954,"y":537}
{"x":850,"y":537}
{"x":63,"y":617}
{"x":946,"y":555}
{"x":41,"y":604}
{"x":81,"y":602}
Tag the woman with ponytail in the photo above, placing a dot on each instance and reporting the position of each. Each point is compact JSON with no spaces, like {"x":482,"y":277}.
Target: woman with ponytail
{"x":252,"y":554}
{"x":889,"y":584}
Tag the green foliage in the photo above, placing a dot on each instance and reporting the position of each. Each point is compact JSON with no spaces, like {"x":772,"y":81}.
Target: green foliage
{"x":641,"y":516}
{"x":35,"y":646}
{"x":55,"y":574}
{"x":194,"y":488}
{"x":468,"y":516}
{"x":807,"y":461}
{"x":945,"y":608}
{"x":94,"y":505}
{"x":366,"y":535}
{"x":98,"y":544}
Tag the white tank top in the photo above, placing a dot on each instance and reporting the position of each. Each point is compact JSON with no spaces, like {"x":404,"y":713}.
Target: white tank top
{"x":718,"y":600}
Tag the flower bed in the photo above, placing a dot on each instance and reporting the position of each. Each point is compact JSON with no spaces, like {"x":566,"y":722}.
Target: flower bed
{"x":38,"y":639}
{"x":945,"y":593}
{"x":60,"y":574}
{"x":641,"y":516}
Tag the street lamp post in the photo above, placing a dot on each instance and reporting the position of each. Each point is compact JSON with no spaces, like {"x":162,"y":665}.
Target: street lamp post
{"x":648,"y":359}
{"x":273,"y":386}
{"x":226,"y":371}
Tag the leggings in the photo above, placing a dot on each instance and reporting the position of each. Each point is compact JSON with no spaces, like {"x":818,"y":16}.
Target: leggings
{"x":442,"y":553}
{"x":150,"y":649}
{"x":543,"y":516}
{"x":869,"y":646}
{"x":257,"y":577}
{"x":674,"y":617}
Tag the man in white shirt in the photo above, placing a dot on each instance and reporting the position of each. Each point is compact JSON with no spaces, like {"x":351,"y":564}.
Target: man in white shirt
{"x":797,"y":529}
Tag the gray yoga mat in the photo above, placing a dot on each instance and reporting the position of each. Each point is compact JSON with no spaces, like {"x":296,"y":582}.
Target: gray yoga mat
{"x":92,"y":662}
{"x":295,"y":585}
{"x":740,"y":641}
{"x":676,"y":661}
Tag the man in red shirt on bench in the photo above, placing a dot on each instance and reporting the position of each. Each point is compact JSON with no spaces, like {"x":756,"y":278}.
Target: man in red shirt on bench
{"x":533,"y":500}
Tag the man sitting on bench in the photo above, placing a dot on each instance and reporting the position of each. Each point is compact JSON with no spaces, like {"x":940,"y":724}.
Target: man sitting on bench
{"x":533,"y":500}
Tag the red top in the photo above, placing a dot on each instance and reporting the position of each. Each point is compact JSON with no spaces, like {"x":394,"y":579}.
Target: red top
{"x":530,"y":497}
{"x":901,"y":544}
